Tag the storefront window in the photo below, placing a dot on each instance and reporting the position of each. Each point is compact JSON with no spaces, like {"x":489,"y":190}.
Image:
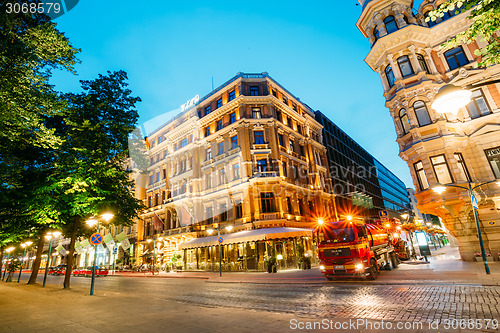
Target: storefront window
{"x":493,"y":156}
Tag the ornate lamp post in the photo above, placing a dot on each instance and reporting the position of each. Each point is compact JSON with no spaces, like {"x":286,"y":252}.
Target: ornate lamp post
{"x":106,"y":217}
{"x":440,"y":188}
{"x":25,"y":246}
{"x":50,"y":236}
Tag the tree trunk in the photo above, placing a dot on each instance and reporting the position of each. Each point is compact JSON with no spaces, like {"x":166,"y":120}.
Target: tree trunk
{"x":1,"y":259}
{"x":71,"y":253}
{"x":38,"y":260}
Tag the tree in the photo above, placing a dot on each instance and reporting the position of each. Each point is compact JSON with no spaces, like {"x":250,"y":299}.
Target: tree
{"x":89,"y":176}
{"x":485,"y":16}
{"x":30,"y":49}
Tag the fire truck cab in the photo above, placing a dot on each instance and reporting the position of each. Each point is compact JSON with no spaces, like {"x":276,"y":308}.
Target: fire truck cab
{"x":354,"y":249}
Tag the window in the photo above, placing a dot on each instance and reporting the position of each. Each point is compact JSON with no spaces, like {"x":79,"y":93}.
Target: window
{"x":376,"y":34}
{"x":294,"y":107}
{"x":280,"y":139}
{"x":220,"y":125}
{"x":405,"y":66}
{"x":232,"y":95}
{"x":258,"y":137}
{"x":158,"y":176}
{"x":464,"y":173}
{"x":232,"y":118}
{"x":421,"y":113}
{"x":208,"y":181}
{"x":441,"y":169}
{"x":279,"y":116}
{"x":254,"y":91}
{"x":292,"y":144}
{"x":208,"y":109}
{"x":219,"y":102}
{"x":478,"y":106}
{"x":295,"y":172}
{"x":403,"y":120}
{"x":261,"y":166}
{"x":208,"y":154}
{"x":390,"y":76}
{"x":422,"y":179}
{"x":222,"y":176}
{"x":234,"y":142}
{"x":151,"y":180}
{"x":267,"y":202}
{"x":493,"y":156}
{"x":284,"y":166}
{"x":256,"y":113}
{"x":390,"y":24}
{"x":184,"y":142}
{"x":430,"y":23}
{"x":239,"y":211}
{"x":302,"y":151}
{"x":236,"y":171}
{"x":456,"y":58}
{"x":423,"y":64}
{"x":289,"y":205}
{"x":220,"y":148}
{"x":275,"y":94}
{"x":285,"y":100}
{"x":164,"y":173}
{"x":207,"y":131}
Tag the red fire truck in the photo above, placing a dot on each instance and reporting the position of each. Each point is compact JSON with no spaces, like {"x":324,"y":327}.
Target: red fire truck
{"x":355,"y":249}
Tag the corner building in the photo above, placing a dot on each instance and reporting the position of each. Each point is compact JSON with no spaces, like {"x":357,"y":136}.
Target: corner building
{"x":248,"y":155}
{"x":447,"y":149}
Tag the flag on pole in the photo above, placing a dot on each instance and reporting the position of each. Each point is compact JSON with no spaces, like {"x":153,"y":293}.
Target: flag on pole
{"x":123,"y":240}
{"x":61,"y":250}
{"x":109,"y":241}
{"x":157,"y":223}
{"x":78,"y":247}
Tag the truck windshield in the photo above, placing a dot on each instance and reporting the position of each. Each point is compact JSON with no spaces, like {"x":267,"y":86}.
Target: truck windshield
{"x":337,"y":235}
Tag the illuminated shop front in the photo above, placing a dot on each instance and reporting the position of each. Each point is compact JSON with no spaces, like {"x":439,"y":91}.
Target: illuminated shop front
{"x":248,"y":250}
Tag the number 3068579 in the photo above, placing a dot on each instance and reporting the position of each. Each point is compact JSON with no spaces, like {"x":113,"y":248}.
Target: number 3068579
{"x":32,"y":8}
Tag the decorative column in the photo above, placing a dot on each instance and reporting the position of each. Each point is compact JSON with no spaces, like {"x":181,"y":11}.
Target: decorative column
{"x":414,"y":60}
{"x":385,"y":84}
{"x":433,"y":69}
{"x":395,"y":68}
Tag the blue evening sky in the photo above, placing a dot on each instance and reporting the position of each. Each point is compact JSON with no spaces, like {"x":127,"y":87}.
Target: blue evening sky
{"x":172,"y":49}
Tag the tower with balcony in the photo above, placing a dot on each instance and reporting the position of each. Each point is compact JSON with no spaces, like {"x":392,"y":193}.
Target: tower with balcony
{"x":439,"y":148}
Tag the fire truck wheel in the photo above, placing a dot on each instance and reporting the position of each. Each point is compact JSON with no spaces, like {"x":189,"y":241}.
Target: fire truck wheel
{"x":373,"y":270}
{"x":395,"y":260}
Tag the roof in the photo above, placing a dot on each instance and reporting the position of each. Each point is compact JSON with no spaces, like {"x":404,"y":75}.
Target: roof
{"x":248,"y":236}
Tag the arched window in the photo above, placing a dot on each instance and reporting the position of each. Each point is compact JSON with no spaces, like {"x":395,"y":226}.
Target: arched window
{"x":390,"y":24}
{"x":403,"y":120}
{"x":421,"y":113}
{"x":423,"y":64}
{"x":389,"y":75}
{"x":405,"y":66}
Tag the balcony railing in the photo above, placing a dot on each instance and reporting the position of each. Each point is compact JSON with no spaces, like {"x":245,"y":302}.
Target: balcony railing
{"x":266,"y":174}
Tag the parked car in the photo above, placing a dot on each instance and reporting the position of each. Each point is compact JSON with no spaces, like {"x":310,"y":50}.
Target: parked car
{"x":79,"y":271}
{"x":60,"y":270}
{"x":51,"y":270}
{"x":99,"y":271}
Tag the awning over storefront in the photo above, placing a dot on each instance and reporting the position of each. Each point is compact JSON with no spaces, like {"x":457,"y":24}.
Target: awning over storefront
{"x":247,"y":236}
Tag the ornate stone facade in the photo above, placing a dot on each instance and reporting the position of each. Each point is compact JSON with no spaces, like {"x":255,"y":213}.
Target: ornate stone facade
{"x":406,"y":52}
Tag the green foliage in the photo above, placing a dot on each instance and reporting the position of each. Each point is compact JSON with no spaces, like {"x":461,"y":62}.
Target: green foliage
{"x":485,"y":16}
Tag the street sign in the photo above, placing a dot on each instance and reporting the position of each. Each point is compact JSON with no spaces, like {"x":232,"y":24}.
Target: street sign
{"x":96,"y":239}
{"x":382,"y":214}
{"x":474,"y":202}
{"x":492,"y":223}
{"x":115,"y":250}
{"x":220,"y":239}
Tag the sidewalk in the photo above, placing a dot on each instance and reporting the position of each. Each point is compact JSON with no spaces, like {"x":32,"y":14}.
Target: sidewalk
{"x":444,"y":267}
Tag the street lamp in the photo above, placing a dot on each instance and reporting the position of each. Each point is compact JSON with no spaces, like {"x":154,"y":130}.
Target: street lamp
{"x":50,"y":236}
{"x":25,"y":246}
{"x":106,"y":217}
{"x":8,"y":250}
{"x":210,"y":231}
{"x":440,"y":188}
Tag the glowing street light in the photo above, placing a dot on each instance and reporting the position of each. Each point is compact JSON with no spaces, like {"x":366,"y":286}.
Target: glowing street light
{"x":50,"y":236}
{"x":321,"y":221}
{"x":25,"y":246}
{"x":8,"y":250}
{"x":450,"y":99}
